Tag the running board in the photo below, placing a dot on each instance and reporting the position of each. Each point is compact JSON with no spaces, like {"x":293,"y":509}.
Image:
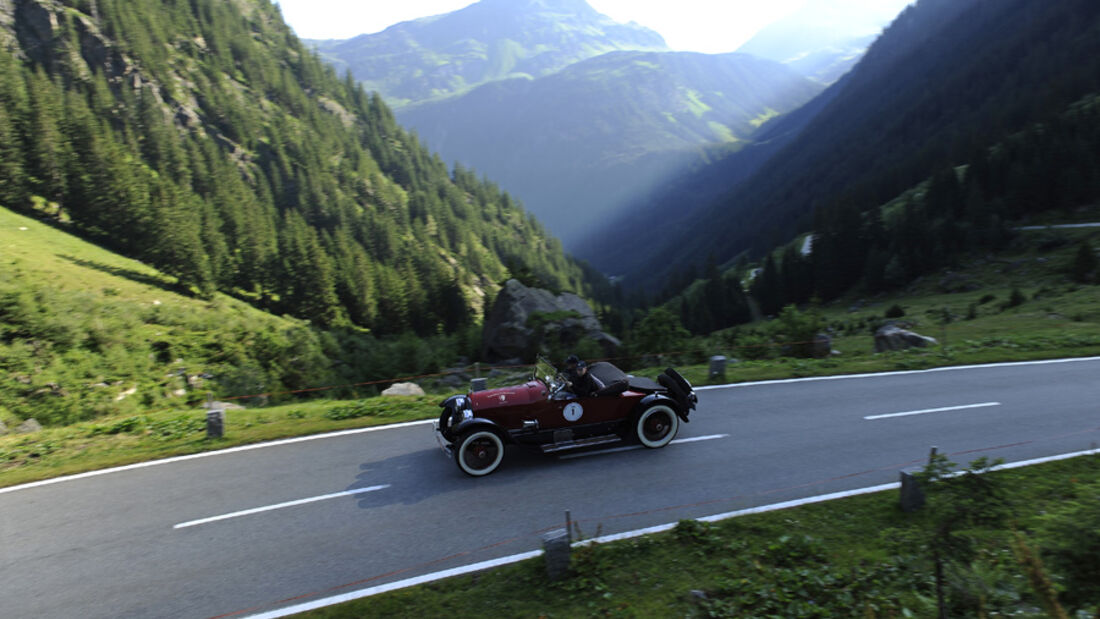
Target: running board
{"x":582,"y":442}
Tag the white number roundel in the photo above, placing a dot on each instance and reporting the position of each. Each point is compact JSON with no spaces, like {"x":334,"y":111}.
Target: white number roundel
{"x":573,"y":411}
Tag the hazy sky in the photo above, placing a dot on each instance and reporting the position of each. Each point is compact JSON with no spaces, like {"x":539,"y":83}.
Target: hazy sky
{"x":710,"y":26}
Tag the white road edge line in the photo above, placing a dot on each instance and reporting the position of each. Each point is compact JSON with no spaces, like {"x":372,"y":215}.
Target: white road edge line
{"x":208,"y":454}
{"x":925,"y":411}
{"x":220,"y":452}
{"x":693,"y":439}
{"x":952,"y":368}
{"x":484,"y":565}
{"x":268,"y":508}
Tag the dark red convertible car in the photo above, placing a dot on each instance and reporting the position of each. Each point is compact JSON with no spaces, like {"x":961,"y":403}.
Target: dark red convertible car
{"x":543,"y":414}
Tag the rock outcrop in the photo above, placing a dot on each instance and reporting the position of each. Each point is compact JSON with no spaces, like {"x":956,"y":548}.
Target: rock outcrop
{"x":893,"y":337}
{"x":525,"y":321}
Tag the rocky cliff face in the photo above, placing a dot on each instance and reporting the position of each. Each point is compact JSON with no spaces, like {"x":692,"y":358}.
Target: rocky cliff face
{"x":526,"y":321}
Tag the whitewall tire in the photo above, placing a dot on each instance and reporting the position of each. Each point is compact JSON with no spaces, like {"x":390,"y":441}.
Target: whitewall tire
{"x":657,"y":426}
{"x":479,"y":452}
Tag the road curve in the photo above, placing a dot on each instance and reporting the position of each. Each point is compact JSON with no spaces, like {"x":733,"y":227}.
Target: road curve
{"x":252,"y":530}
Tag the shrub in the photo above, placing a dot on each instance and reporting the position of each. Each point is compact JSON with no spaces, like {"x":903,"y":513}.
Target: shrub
{"x":755,"y":347}
{"x":659,"y":332}
{"x":1071,"y":539}
{"x":1015,"y":299}
{"x":894,"y":311}
{"x":796,"y":330}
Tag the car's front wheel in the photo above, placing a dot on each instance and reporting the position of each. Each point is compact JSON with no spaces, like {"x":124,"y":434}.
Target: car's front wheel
{"x":479,"y":452}
{"x":657,"y":426}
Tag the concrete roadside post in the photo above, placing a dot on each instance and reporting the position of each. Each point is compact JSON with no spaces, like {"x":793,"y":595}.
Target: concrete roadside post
{"x":717,"y":368}
{"x":477,"y":383}
{"x":912,"y":495}
{"x":556,"y":549}
{"x":215,"y":419}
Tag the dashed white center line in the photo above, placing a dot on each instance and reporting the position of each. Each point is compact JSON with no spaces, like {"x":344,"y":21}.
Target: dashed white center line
{"x":933,"y":410}
{"x":693,"y":439}
{"x":257,"y":510}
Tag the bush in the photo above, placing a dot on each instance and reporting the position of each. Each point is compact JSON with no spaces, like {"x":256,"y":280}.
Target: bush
{"x":755,"y":347}
{"x":1071,"y":539}
{"x":894,"y":311}
{"x":796,"y":330}
{"x":659,"y":332}
{"x":1015,"y":299}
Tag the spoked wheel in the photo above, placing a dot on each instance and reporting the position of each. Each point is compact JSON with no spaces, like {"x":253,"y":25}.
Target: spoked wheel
{"x":657,"y":426}
{"x":479,"y":452}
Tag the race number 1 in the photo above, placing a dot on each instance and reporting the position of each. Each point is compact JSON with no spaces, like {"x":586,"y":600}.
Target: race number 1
{"x":573,"y":411}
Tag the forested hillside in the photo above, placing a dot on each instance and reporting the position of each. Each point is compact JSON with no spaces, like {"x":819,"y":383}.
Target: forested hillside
{"x":202,"y":137}
{"x":578,"y":145}
{"x":945,"y":85}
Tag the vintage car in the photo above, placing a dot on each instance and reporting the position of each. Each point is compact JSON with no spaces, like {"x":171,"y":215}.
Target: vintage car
{"x":543,"y":414}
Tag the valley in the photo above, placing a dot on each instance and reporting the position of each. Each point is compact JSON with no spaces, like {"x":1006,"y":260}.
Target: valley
{"x":200,"y":209}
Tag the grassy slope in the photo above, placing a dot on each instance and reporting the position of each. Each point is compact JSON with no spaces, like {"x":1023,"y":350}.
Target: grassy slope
{"x":90,"y":321}
{"x":129,"y":314}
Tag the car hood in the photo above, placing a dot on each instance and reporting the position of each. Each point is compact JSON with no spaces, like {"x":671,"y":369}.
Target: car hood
{"x":517,"y":395}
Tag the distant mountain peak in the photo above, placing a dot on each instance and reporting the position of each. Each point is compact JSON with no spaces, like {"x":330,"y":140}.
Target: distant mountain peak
{"x":436,"y":57}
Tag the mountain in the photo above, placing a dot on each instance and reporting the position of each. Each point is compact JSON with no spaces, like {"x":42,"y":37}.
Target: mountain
{"x":203,"y":138}
{"x":434,"y":57}
{"x":946,"y":82}
{"x":824,"y":39}
{"x":578,"y":144}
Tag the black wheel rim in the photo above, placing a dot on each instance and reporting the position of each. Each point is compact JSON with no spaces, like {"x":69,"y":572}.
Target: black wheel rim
{"x":656,"y":426}
{"x":480,"y":453}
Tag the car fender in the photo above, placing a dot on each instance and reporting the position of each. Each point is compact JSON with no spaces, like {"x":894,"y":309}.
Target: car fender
{"x":451,"y":406}
{"x":657,"y":398}
{"x":477,"y":423}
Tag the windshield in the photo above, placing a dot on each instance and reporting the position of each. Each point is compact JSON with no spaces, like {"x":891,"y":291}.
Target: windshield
{"x":545,"y":372}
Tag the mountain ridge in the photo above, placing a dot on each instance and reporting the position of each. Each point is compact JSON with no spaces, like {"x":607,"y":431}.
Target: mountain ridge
{"x":448,"y":54}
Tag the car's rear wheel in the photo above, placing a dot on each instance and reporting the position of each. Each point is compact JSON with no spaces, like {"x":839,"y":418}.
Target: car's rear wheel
{"x":657,"y":426}
{"x":479,"y":452}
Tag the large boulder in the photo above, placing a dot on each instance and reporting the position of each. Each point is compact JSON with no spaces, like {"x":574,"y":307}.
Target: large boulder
{"x":29,"y":426}
{"x":893,"y":337}
{"x":525,"y":320}
{"x":403,"y":389}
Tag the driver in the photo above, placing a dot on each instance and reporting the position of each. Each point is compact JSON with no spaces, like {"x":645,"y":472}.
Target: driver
{"x":579,"y":381}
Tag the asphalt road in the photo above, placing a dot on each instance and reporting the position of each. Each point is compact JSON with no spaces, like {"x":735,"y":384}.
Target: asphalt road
{"x":227,"y":534}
